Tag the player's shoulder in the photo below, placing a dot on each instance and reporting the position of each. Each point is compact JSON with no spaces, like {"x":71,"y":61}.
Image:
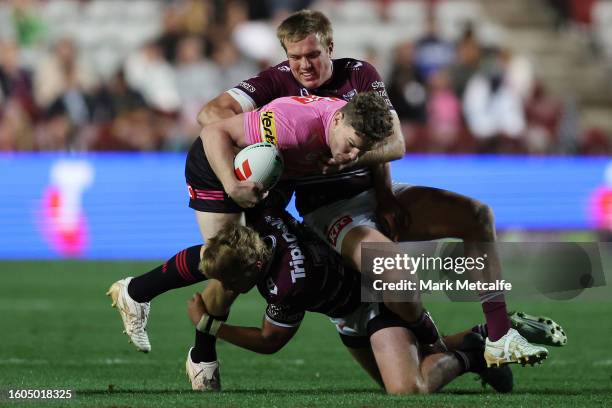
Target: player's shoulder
{"x":353,"y":66}
{"x":279,"y":70}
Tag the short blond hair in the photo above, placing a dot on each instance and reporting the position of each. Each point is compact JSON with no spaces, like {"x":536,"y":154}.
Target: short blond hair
{"x":235,"y":250}
{"x":301,"y":24}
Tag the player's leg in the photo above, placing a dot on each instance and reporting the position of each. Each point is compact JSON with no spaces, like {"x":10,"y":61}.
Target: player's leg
{"x":402,"y":371}
{"x":435,"y":214}
{"x":345,"y":224}
{"x":360,"y":349}
{"x":412,"y":312}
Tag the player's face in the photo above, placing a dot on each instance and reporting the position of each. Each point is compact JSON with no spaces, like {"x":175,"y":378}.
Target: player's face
{"x":237,"y":283}
{"x":310,"y":61}
{"x":345,"y":144}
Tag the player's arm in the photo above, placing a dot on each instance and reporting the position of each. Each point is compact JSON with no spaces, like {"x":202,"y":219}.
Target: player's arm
{"x":268,"y":339}
{"x":222,"y":107}
{"x":220,"y":140}
{"x":244,"y":97}
{"x":393,"y":148}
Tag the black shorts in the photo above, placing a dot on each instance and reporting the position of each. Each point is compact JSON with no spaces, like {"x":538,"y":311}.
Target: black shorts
{"x":206,"y":192}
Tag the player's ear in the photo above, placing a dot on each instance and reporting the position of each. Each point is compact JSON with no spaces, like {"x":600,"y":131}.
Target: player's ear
{"x":330,"y":49}
{"x":338,"y":118}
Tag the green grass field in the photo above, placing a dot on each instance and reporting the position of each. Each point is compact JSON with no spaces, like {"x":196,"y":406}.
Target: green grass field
{"x":59,"y":332}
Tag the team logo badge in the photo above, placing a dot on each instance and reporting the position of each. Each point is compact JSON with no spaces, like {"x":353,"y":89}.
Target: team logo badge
{"x":334,"y":231}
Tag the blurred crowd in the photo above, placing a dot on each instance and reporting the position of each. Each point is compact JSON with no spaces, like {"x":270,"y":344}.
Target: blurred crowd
{"x":451,"y":97}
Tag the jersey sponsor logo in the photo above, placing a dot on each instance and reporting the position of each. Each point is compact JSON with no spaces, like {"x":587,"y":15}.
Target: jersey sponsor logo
{"x":246,"y":86}
{"x":284,"y":68}
{"x":313,"y":98}
{"x":378,"y":84}
{"x":244,"y":171}
{"x":354,"y":65}
{"x":296,"y":264}
{"x":350,"y":95}
{"x":267,"y":127}
{"x":334,"y":231}
{"x":192,"y":194}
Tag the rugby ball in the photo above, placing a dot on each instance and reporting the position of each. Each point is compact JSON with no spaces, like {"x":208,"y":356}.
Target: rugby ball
{"x":259,"y":162}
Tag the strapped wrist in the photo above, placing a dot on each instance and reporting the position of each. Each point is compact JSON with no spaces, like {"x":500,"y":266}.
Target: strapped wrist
{"x":209,"y":325}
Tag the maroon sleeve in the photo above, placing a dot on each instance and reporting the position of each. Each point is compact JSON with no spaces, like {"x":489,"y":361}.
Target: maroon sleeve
{"x":260,"y":89}
{"x":368,"y":79}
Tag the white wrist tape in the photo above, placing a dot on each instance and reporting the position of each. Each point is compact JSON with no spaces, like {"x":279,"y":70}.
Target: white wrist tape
{"x":209,"y":325}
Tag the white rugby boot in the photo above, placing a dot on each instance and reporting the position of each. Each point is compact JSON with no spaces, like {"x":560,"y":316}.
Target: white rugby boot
{"x":538,"y":329}
{"x":203,"y":376}
{"x":513,"y":348}
{"x":134,"y":314}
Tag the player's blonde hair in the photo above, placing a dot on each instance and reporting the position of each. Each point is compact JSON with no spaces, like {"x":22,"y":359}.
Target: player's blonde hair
{"x":301,"y":24}
{"x":236,"y":251}
{"x":368,"y":113}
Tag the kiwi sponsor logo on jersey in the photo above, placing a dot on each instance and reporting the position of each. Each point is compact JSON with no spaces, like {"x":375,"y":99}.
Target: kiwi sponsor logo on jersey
{"x":247,"y":87}
{"x":267,"y":127}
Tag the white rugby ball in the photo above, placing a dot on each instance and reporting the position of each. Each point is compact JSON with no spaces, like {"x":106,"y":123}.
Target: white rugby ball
{"x":259,"y":162}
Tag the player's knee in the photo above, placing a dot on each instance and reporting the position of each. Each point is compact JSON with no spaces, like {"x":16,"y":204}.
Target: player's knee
{"x":406,"y":388}
{"x":484,"y":220}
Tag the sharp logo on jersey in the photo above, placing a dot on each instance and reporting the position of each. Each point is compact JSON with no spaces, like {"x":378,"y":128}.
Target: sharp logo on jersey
{"x":334,"y":231}
{"x":267,"y":127}
{"x":297,"y":257}
{"x":313,"y":98}
{"x":245,"y":172}
{"x":250,"y":88}
{"x":284,"y":68}
{"x":350,"y":95}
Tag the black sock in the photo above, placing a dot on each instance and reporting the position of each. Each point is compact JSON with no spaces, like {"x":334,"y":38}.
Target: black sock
{"x":425,"y":329}
{"x":179,"y":271}
{"x":205,"y":349}
{"x":471,"y":360}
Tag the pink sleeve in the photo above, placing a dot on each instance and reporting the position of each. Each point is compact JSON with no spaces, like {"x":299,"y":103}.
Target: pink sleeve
{"x":251,"y":127}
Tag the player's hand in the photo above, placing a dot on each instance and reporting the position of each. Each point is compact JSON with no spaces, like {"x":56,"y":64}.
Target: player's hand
{"x":329,"y":165}
{"x":391,"y":216}
{"x":247,"y":193}
{"x":196,"y":308}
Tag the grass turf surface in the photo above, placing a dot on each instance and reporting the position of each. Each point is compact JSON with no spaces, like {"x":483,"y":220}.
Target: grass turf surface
{"x":59,"y":332}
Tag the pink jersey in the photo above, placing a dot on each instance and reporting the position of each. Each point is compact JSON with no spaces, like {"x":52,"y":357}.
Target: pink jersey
{"x":299,"y":126}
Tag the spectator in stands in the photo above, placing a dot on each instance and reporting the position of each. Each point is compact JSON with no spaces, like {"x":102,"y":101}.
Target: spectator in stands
{"x":408,"y":95}
{"x":431,"y":51}
{"x":114,"y":98}
{"x":405,"y":87}
{"x":15,"y":81}
{"x":62,"y":73}
{"x":16,"y":131}
{"x":494,"y":111}
{"x":197,"y":80}
{"x":467,"y":60}
{"x":443,"y":113}
{"x":150,"y":74}
{"x":543,"y":114}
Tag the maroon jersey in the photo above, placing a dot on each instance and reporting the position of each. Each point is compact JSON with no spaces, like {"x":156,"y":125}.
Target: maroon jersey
{"x":349,"y":77}
{"x":305,"y":274}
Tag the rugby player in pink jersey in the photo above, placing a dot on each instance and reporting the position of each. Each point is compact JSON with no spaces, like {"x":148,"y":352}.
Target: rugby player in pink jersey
{"x":424,"y":213}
